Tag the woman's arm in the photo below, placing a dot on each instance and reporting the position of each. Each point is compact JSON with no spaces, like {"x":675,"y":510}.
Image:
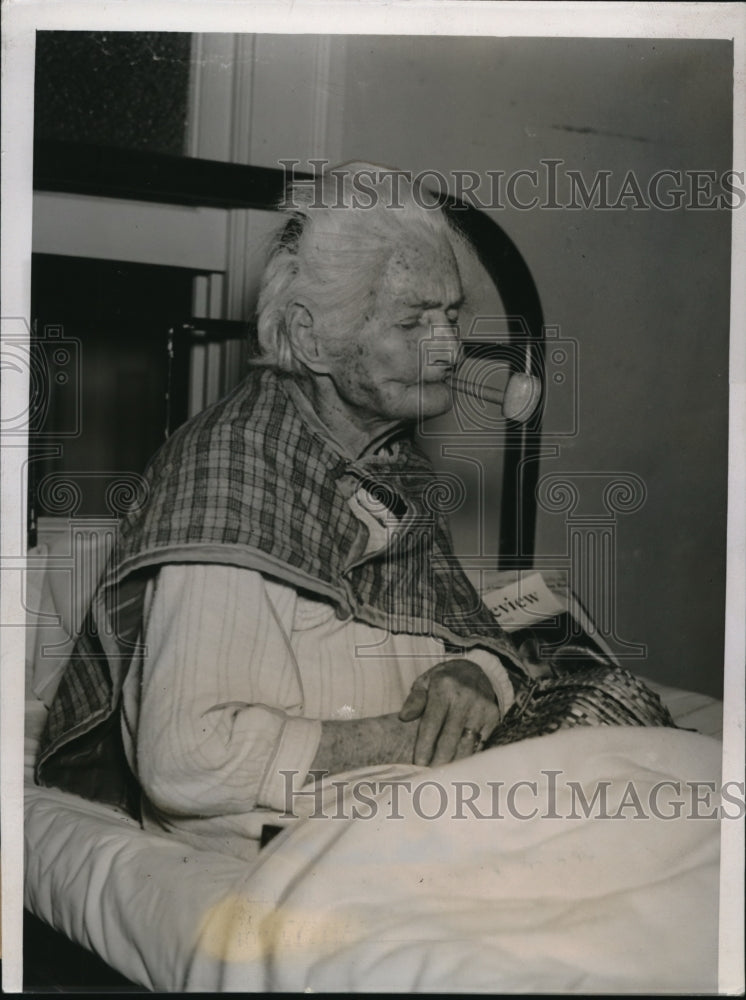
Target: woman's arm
{"x":214,"y":716}
{"x":451,"y":709}
{"x":214,"y":727}
{"x":349,"y":743}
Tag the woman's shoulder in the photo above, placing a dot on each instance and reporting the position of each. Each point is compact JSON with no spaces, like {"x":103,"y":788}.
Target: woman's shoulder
{"x":234,"y":414}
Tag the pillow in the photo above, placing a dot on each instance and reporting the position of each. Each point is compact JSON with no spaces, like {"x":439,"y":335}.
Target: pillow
{"x":75,"y":561}
{"x":35,"y":572}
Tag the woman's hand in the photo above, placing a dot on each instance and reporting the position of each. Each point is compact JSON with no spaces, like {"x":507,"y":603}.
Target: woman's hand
{"x":457,"y":708}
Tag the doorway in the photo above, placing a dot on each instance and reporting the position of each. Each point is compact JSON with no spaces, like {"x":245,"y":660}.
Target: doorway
{"x":116,"y":380}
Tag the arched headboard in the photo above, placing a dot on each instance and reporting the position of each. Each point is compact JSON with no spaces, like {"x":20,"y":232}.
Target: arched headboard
{"x":132,"y":174}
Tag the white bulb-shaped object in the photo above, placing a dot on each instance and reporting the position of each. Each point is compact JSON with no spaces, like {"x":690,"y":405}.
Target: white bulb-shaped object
{"x":518,"y":401}
{"x":521,"y":398}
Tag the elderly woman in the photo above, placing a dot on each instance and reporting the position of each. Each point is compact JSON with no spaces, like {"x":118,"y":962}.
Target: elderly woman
{"x":287,"y":600}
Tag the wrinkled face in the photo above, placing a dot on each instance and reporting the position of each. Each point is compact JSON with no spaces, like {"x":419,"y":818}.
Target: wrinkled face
{"x":394,"y":365}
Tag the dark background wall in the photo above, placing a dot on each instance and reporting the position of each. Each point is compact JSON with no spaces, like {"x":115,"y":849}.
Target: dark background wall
{"x":644,"y":293}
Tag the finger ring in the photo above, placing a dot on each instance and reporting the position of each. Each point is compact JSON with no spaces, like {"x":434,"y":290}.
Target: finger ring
{"x":474,"y":736}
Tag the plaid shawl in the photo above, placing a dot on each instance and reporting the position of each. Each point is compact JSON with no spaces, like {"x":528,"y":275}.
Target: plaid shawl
{"x":249,"y":483}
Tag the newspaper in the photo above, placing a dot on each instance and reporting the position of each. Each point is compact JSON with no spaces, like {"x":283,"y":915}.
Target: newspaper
{"x":549,"y":623}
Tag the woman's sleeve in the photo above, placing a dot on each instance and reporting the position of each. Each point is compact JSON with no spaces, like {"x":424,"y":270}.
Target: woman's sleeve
{"x":220,"y":712}
{"x":497,"y":674}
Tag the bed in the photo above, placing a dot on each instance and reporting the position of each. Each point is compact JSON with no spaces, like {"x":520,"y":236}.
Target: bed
{"x":448,"y":888}
{"x":565,"y":863}
{"x":454,"y":904}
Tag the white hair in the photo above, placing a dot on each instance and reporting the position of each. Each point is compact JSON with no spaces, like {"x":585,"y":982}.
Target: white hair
{"x":341,"y":231}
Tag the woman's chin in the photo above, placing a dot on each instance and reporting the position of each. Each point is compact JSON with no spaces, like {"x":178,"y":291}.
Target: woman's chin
{"x":416,"y":402}
{"x":435,"y":398}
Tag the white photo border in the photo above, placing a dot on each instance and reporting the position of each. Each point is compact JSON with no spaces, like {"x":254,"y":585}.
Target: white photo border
{"x":21,"y":18}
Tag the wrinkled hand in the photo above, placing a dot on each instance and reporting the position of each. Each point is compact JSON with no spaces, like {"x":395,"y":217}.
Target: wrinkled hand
{"x":449,"y":698}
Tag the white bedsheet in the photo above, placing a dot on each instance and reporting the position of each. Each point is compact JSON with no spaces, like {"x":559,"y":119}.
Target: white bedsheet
{"x":411,"y":904}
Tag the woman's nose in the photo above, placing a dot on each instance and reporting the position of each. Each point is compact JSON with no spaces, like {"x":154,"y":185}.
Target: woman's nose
{"x":442,"y":326}
{"x":444,"y":346}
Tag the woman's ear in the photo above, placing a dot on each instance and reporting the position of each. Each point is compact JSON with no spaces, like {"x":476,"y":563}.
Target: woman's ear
{"x":304,"y":336}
